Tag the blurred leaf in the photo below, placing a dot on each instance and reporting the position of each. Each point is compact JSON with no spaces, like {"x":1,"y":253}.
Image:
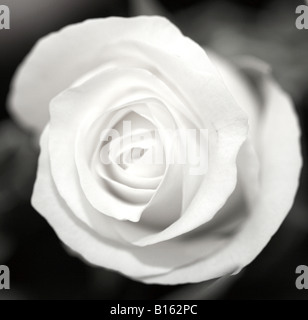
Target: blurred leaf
{"x":18,"y":158}
{"x":6,"y":248}
{"x":104,"y":284}
{"x":270,"y":35}
{"x":147,"y":7}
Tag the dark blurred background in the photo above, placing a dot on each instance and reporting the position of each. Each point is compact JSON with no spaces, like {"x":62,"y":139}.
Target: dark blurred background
{"x":40,"y":266}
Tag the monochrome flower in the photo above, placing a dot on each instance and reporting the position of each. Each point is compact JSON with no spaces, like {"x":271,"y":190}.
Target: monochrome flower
{"x":130,"y":201}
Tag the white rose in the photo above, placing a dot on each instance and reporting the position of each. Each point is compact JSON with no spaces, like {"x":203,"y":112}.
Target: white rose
{"x":156,"y":223}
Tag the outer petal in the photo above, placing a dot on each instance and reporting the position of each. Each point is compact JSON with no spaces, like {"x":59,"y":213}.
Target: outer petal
{"x":59,"y":59}
{"x":280,"y":162}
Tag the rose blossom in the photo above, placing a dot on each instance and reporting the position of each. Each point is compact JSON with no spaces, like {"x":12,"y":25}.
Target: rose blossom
{"x":156,"y":223}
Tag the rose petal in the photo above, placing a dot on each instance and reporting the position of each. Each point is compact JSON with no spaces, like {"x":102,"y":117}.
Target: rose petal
{"x":61,"y":58}
{"x":280,"y":170}
{"x":246,"y":95}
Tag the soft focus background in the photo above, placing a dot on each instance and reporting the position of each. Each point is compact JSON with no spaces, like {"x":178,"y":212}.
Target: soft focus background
{"x":40,"y":266}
